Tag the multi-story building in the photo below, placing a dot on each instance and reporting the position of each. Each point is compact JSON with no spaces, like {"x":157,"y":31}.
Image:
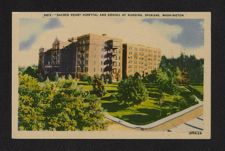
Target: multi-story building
{"x":87,"y":54}
{"x":60,"y":58}
{"x":98,"y":54}
{"x":140,"y":58}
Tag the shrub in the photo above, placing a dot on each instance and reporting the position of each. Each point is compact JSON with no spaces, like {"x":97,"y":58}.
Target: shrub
{"x":89,"y":80}
{"x":30,"y":111}
{"x":86,"y":78}
{"x":21,"y":70}
{"x":53,"y":76}
{"x":98,"y":86}
{"x":79,"y":112}
{"x":57,"y":106}
{"x":132,"y":90}
{"x":191,"y":100}
{"x":31,"y":71}
{"x":108,"y":78}
{"x":195,"y":92}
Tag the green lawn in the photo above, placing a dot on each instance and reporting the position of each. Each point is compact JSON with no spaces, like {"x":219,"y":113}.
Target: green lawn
{"x":144,"y":113}
{"x":199,"y":88}
{"x":84,"y":85}
{"x":87,"y":87}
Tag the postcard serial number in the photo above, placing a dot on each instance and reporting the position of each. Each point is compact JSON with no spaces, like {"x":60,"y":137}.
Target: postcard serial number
{"x":195,"y":133}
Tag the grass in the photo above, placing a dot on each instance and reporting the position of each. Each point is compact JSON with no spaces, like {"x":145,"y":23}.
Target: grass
{"x":84,"y":85}
{"x":87,"y":87}
{"x":143,"y":113}
{"x":199,"y":88}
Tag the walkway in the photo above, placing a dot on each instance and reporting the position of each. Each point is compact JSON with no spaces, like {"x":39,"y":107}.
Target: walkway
{"x":190,"y":126}
{"x":189,"y":121}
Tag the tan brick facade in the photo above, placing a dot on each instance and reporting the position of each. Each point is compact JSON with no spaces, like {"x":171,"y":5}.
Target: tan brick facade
{"x":99,"y":54}
{"x":141,"y":59}
{"x":94,"y":54}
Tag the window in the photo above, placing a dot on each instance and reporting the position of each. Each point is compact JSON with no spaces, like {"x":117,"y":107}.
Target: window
{"x":115,"y":57}
{"x":114,"y":51}
{"x":114,"y":70}
{"x":78,"y":69}
{"x":86,"y":69}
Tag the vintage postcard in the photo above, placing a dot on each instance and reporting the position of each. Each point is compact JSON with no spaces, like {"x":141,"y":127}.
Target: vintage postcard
{"x":111,"y":75}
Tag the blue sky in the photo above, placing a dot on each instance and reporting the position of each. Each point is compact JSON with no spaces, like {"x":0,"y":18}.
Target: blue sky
{"x":172,"y":36}
{"x":192,"y":34}
{"x":30,"y":29}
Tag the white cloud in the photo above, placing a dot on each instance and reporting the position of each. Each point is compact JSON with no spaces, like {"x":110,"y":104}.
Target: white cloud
{"x":131,"y":30}
{"x":29,"y":27}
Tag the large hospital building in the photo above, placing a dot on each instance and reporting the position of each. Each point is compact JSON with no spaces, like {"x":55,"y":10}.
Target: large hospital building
{"x":98,"y":54}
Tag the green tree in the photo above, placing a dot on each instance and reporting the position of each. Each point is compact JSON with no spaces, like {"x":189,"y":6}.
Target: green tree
{"x":32,"y":71}
{"x":151,"y":78}
{"x":53,"y":76}
{"x":72,"y":109}
{"x":188,"y":65}
{"x":89,"y":80}
{"x":108,"y":78}
{"x":98,"y":86}
{"x":132,"y":90}
{"x":21,"y":70}
{"x":84,"y":77}
{"x":30,"y":111}
{"x":57,"y":106}
{"x":165,"y":82}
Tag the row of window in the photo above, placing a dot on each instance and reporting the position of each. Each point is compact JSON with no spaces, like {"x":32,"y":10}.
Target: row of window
{"x":84,"y":41}
{"x":142,"y":66}
{"x":79,"y":69}
{"x":143,"y":54}
{"x":143,"y":49}
{"x":131,"y":71}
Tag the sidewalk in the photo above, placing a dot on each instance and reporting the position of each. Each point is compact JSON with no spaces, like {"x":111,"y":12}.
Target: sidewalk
{"x":173,"y":125}
{"x":189,"y":121}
